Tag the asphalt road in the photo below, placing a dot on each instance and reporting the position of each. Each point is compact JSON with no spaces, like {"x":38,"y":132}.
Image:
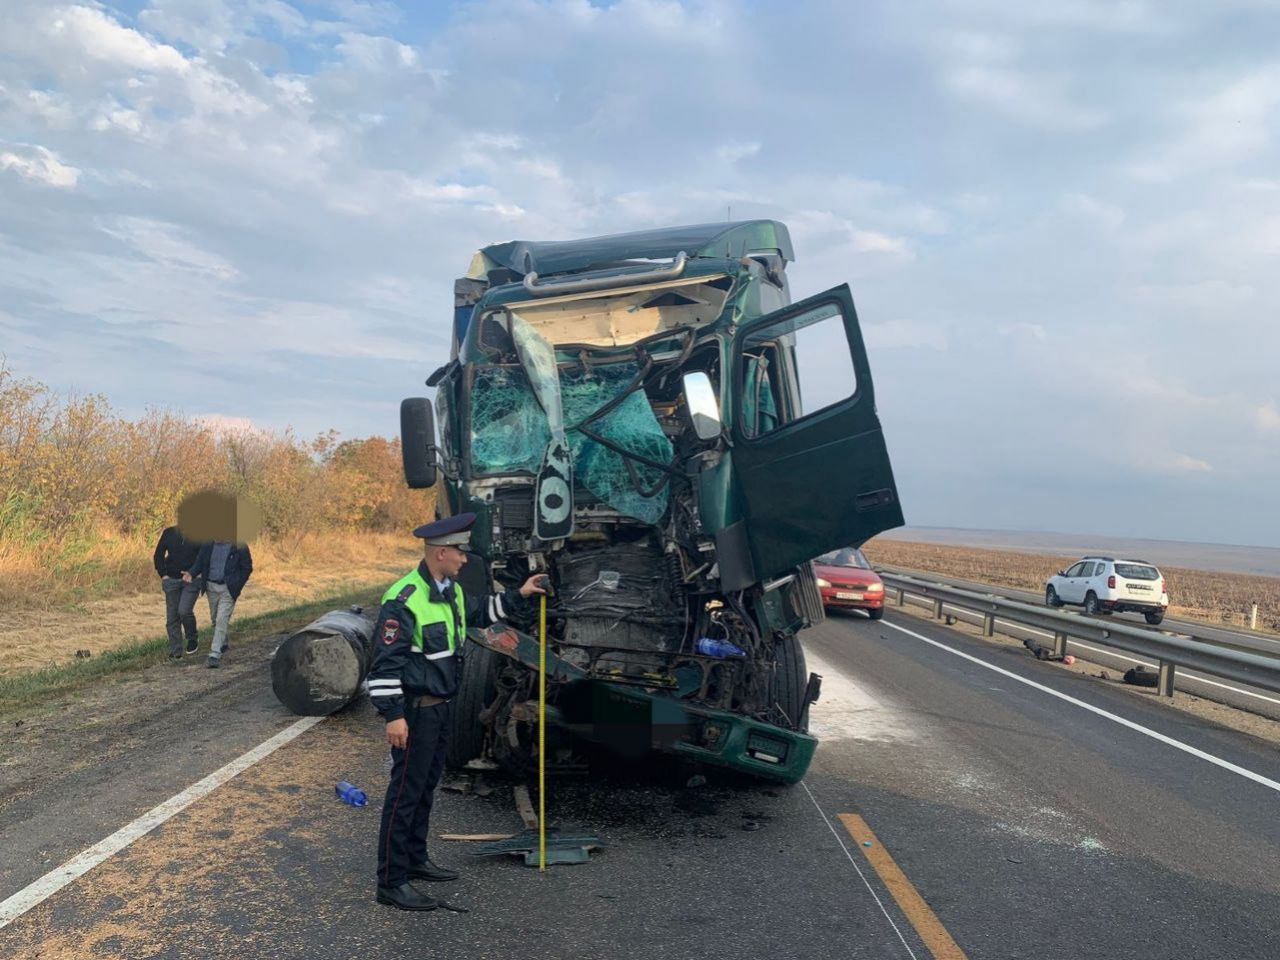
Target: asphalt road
{"x":1253,"y":699}
{"x":1003,"y":821}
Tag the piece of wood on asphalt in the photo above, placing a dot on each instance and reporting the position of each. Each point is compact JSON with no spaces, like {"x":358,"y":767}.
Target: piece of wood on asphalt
{"x":524,"y":806}
{"x":488,"y":837}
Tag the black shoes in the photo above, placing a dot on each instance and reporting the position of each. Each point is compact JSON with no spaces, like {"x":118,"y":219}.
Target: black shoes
{"x":405,"y":897}
{"x":192,"y":644}
{"x":215,"y":663}
{"x":429,"y":871}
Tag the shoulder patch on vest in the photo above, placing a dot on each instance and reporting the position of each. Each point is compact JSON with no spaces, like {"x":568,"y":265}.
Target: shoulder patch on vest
{"x":406,"y":593}
{"x":390,"y":630}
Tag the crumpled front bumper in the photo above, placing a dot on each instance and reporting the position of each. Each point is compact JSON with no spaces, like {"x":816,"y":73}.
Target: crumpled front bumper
{"x":633,"y":720}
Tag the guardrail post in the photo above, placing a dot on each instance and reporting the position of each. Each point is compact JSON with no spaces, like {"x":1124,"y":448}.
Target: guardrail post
{"x":1164,"y":685}
{"x":902,"y":597}
{"x":988,"y":624}
{"x":1253,"y":617}
{"x":1059,"y":644}
{"x":937,"y":609}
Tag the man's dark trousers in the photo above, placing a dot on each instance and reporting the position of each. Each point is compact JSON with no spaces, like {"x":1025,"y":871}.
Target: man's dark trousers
{"x":179,"y":608}
{"x":406,"y":812}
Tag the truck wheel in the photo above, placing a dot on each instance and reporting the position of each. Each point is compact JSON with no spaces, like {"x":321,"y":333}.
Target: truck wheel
{"x":475,"y":692}
{"x":790,"y":679}
{"x":1154,"y":617}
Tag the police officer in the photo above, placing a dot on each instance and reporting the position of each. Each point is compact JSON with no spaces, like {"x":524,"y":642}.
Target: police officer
{"x":417,"y":666}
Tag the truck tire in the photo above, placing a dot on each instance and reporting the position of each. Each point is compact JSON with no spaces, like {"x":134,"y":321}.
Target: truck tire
{"x":790,"y":678}
{"x":475,"y":691}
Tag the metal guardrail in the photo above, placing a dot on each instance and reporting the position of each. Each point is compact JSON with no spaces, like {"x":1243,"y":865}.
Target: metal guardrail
{"x":1253,"y":664}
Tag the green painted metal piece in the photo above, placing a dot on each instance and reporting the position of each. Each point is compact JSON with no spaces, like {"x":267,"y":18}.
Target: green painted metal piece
{"x":561,"y":848}
{"x":665,"y":723}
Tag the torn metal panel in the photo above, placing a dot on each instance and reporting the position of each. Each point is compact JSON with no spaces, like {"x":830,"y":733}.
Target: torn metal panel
{"x":626,"y":316}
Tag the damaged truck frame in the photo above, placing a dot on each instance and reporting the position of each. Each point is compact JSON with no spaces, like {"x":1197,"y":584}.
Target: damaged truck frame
{"x":626,"y":414}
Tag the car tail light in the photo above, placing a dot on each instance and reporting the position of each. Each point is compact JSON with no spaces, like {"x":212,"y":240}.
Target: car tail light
{"x":1160,"y":587}
{"x":1111,"y":582}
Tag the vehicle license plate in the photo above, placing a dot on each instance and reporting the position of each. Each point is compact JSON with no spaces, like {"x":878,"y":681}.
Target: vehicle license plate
{"x":1137,"y":586}
{"x":845,"y":595}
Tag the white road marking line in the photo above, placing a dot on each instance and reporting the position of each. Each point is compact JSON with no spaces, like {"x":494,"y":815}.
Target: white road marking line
{"x":861,"y":875}
{"x":1145,"y":731}
{"x":53,"y":881}
{"x":1120,"y":656}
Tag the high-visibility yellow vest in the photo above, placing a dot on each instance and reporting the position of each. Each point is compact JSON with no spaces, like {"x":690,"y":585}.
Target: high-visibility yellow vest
{"x":425,"y":613}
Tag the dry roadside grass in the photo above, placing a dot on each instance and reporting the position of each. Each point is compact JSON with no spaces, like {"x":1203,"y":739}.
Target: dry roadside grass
{"x":38,"y":634}
{"x":1216,"y":598}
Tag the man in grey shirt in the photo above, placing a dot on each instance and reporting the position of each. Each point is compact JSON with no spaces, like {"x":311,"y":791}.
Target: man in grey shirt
{"x":226,"y":568}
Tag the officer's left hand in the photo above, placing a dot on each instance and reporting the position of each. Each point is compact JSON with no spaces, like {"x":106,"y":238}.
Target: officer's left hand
{"x":533,"y":586}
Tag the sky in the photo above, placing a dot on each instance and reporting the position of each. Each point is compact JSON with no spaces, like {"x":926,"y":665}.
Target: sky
{"x":1060,"y":220}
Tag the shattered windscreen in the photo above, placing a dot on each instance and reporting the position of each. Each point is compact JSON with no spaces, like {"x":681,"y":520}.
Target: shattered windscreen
{"x":510,"y":434}
{"x":509,"y":431}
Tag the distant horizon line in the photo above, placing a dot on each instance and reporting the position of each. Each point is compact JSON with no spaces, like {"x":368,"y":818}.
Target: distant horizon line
{"x":1064,"y":533}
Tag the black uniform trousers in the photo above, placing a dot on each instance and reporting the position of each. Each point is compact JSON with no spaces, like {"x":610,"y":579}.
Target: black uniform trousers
{"x":406,"y":812}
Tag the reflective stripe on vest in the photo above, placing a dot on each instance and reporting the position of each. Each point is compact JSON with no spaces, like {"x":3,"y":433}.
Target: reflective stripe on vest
{"x":425,"y":613}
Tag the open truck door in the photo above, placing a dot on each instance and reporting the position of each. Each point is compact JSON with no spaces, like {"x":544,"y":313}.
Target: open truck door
{"x":811,"y":461}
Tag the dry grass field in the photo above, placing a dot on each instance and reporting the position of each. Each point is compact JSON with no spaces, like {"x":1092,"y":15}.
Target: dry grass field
{"x":85,"y":492}
{"x":41,"y":634}
{"x":1216,"y":598}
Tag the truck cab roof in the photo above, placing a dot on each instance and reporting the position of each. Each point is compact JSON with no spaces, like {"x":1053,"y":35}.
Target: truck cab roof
{"x":551,"y":257}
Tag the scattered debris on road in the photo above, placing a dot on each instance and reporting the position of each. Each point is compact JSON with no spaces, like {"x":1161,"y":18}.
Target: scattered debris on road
{"x":1141,"y":677}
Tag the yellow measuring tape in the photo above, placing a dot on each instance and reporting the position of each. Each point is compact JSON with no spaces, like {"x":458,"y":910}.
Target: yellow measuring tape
{"x":542,"y":733}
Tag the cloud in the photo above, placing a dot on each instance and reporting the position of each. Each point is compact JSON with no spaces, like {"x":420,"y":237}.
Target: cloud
{"x":166,"y":244}
{"x":987,"y":69}
{"x":101,"y":37}
{"x":733,"y":152}
{"x":267,"y":202}
{"x":225,"y":426}
{"x":376,"y":53}
{"x":1267,"y":417}
{"x":1031,"y":331}
{"x":904,"y":334}
{"x":1188,"y":464}
{"x":39,"y":164}
{"x":1230,"y":126}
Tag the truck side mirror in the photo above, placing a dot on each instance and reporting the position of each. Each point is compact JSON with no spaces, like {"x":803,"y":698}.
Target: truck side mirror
{"x":418,"y":442}
{"x":704,"y":408}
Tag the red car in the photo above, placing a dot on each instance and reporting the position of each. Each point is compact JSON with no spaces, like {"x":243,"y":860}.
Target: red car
{"x":847,"y":581}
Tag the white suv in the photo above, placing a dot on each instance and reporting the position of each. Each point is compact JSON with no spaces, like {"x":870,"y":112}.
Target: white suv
{"x":1105,"y":585}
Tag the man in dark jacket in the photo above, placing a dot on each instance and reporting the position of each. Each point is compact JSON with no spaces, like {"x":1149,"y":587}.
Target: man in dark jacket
{"x":417,"y":664}
{"x":173,"y":557}
{"x":225,"y":567}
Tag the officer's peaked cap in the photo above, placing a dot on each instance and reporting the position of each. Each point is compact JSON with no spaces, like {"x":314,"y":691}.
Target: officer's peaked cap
{"x":450,"y":532}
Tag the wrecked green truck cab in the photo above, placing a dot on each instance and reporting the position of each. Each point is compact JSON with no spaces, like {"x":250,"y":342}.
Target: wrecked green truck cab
{"x":648,"y":419}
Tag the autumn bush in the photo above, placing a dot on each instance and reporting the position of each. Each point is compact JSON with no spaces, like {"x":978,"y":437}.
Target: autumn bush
{"x":84,"y":492}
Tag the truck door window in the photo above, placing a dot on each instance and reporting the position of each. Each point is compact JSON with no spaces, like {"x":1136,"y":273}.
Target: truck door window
{"x":815,"y":343}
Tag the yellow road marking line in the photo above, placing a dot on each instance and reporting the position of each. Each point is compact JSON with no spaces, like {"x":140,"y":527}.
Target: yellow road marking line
{"x":926,"y":922}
